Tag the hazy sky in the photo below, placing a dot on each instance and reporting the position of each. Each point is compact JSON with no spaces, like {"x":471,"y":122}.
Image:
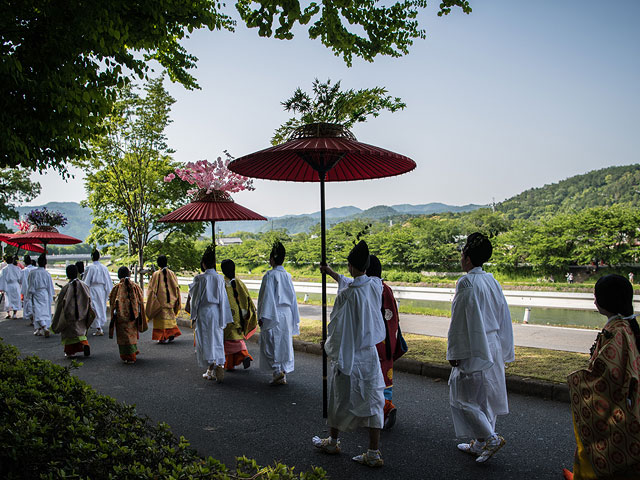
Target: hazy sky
{"x":516,"y":95}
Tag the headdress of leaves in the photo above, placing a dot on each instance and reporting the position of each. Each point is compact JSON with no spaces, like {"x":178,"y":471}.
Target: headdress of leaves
{"x":360,"y":234}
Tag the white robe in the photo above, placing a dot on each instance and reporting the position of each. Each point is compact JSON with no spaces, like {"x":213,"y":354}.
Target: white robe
{"x":278,"y":310}
{"x":356,"y":389}
{"x":211,"y":312}
{"x":481,"y":338}
{"x":10,"y":283}
{"x":41,"y":294}
{"x":27,"y":305}
{"x":100,"y":285}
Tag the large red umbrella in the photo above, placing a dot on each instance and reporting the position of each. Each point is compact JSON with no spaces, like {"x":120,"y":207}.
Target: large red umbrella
{"x":213,"y":207}
{"x":13,"y":240}
{"x":322,"y":152}
{"x":45,"y":236}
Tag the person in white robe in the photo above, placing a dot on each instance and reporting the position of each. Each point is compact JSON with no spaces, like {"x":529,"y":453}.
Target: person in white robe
{"x":10,"y":284}
{"x":41,"y":295}
{"x":480,"y":341}
{"x":278,"y":318}
{"x":27,"y":306}
{"x":100,"y":285}
{"x":356,"y":388}
{"x":210,"y":313}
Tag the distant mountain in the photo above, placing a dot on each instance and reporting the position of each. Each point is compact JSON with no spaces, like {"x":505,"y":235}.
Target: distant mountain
{"x":305,"y":222}
{"x":79,"y":218}
{"x":598,"y":188}
{"x":429,"y":208}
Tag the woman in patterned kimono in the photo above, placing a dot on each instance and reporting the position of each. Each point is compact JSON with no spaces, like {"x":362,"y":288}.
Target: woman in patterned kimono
{"x":605,"y":399}
{"x":163,"y":303}
{"x":245,"y":320}
{"x":126,"y":303}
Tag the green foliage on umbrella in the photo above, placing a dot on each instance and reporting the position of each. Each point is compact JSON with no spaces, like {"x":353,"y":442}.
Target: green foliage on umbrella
{"x":329,"y":104}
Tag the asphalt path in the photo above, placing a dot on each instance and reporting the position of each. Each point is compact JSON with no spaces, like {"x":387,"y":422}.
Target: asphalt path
{"x":246,"y":416}
{"x":539,"y":336}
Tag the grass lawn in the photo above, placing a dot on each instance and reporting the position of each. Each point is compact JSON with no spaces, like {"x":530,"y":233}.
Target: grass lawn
{"x":540,"y":363}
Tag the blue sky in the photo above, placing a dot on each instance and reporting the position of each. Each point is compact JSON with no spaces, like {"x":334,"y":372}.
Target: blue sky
{"x":516,"y":95}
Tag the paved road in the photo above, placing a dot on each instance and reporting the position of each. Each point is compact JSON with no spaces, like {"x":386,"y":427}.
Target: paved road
{"x":246,"y":416}
{"x":540,"y":336}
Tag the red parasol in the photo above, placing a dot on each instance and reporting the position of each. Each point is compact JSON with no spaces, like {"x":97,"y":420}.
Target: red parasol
{"x":212,"y":207}
{"x":13,"y":240}
{"x":322,"y":152}
{"x":45,"y":235}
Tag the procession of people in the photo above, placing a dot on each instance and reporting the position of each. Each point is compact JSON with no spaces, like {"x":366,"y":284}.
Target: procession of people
{"x":364,"y":339}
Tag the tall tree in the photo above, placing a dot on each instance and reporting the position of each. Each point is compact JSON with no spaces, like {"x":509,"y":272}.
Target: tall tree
{"x":15,"y":187}
{"x":61,"y":63}
{"x":125,"y":175}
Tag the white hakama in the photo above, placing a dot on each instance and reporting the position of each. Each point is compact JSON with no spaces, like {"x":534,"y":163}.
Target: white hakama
{"x":211,"y":312}
{"x":481,"y":338}
{"x":41,"y":295}
{"x":100,"y":285}
{"x":11,"y":281}
{"x":27,"y":305}
{"x":356,"y":387}
{"x":278,"y":311}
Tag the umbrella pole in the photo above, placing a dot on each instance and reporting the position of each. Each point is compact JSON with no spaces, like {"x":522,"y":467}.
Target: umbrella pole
{"x":323,"y":243}
{"x":213,"y":241}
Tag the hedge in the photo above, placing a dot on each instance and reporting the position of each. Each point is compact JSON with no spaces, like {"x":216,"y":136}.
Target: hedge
{"x":55,"y":426}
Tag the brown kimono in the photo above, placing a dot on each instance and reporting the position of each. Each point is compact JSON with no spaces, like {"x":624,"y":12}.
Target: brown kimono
{"x":163,"y":304}
{"x":126,"y":303}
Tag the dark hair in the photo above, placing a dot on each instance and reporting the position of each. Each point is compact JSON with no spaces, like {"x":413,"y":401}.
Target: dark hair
{"x":15,"y":260}
{"x":209,"y":257}
{"x":123,"y":272}
{"x":42,"y":260}
{"x":80,"y":267}
{"x":614,"y":293}
{"x":95,"y":255}
{"x":27,"y":260}
{"x":162,"y":263}
{"x":34,"y":263}
{"x":278,"y":253}
{"x":375,"y":267}
{"x":478,"y":249}
{"x":72,"y":272}
{"x":229,"y":270}
{"x":8,"y":259}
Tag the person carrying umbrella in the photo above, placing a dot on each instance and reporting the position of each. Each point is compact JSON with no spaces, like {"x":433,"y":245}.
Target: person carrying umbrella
{"x":163,"y":303}
{"x":388,"y":348}
{"x":356,"y":392}
{"x":245,"y":320}
{"x":210,"y":313}
{"x":278,"y":318}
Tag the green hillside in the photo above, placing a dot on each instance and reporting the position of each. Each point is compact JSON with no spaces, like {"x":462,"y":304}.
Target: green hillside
{"x":598,"y":188}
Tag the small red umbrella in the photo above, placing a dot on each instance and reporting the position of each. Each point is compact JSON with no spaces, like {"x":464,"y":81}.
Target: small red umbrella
{"x":213,"y":207}
{"x":322,"y":152}
{"x":10,"y":239}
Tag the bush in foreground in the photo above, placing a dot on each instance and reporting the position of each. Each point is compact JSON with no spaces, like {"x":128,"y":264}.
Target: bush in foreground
{"x":53,"y":425}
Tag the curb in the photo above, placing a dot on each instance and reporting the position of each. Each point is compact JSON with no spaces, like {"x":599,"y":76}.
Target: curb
{"x":515,"y":383}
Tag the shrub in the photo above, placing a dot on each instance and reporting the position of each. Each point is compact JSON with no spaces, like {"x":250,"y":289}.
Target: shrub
{"x":53,"y":425}
{"x":408,"y":277}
